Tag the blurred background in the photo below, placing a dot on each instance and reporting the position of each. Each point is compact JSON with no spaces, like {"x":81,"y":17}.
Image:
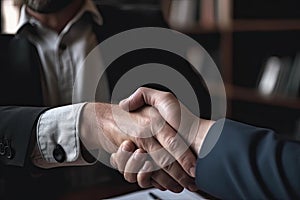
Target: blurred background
{"x":255,"y":44}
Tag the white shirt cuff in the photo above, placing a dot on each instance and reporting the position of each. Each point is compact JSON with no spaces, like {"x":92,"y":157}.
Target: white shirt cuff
{"x":59,"y":126}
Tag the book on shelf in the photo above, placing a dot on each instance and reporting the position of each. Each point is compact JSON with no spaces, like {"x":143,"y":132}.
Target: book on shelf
{"x":215,"y":13}
{"x":223,"y":13}
{"x":183,"y":13}
{"x":208,"y":14}
{"x":280,"y":76}
{"x":269,"y":76}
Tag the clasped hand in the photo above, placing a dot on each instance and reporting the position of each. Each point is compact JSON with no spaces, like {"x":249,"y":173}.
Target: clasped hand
{"x":153,"y":145}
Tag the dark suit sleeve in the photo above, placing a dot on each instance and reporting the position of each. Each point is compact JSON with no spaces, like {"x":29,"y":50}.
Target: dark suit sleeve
{"x":16,"y":132}
{"x":20,"y":98}
{"x":249,"y":163}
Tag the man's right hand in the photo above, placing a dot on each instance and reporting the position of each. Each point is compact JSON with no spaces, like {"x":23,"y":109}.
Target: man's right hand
{"x":190,"y":127}
{"x":107,"y":126}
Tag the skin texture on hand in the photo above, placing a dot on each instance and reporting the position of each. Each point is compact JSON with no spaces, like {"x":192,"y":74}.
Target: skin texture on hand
{"x":139,"y":161}
{"x":108,"y":126}
{"x":191,"y":128}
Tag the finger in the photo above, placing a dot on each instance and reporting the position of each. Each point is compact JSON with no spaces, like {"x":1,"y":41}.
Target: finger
{"x":166,"y":162}
{"x":144,"y":96}
{"x":134,"y":164}
{"x":144,"y":177}
{"x":177,"y":173}
{"x":136,"y":100}
{"x":157,"y":185}
{"x":172,"y":148}
{"x":165,"y":181}
{"x":112,"y":161}
{"x":165,"y":102}
{"x":162,"y":101}
{"x":177,"y":147}
{"x":123,"y":154}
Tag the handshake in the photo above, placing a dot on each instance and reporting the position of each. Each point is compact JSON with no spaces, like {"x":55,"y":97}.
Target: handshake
{"x":153,"y":139}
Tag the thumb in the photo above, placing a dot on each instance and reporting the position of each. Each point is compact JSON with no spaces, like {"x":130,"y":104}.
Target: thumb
{"x":138,"y":99}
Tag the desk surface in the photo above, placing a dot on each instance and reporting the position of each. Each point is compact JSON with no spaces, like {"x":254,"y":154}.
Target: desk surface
{"x":97,"y":192}
{"x":108,"y":190}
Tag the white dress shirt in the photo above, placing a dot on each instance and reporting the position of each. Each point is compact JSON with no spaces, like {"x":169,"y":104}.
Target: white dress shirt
{"x":60,"y":55}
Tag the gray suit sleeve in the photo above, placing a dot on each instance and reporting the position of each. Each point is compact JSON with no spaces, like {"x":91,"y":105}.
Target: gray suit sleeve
{"x":249,"y":163}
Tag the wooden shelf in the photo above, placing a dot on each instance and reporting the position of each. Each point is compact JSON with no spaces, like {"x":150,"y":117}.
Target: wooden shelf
{"x":266,"y":25}
{"x":246,"y":25}
{"x":197,"y":29}
{"x":253,"y":96}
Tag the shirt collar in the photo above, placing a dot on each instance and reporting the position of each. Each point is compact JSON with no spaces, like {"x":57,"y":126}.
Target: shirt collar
{"x":87,"y":7}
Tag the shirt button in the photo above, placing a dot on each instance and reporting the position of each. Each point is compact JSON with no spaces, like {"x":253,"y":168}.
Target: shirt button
{"x":59,"y":154}
{"x":62,"y":46}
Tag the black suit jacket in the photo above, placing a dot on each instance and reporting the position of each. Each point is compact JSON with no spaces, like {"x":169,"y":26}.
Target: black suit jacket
{"x":21,"y":101}
{"x":247,"y":162}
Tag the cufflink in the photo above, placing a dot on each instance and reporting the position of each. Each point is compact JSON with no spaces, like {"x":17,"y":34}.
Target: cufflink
{"x":59,"y":154}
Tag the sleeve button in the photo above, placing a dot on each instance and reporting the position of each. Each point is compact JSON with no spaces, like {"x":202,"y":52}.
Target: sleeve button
{"x":59,"y":154}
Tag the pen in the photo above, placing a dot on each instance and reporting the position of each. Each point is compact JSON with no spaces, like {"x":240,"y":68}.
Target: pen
{"x":154,"y":196}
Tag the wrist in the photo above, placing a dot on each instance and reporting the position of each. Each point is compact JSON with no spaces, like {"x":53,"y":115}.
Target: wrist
{"x":96,"y":127}
{"x":203,"y":127}
{"x":88,"y":127}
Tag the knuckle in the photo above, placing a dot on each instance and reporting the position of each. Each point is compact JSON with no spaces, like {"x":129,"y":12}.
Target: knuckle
{"x":169,"y":168}
{"x":144,"y":181}
{"x":172,"y":142}
{"x":167,"y":95}
{"x":140,"y":142}
{"x":183,"y":179}
{"x":140,"y":90}
{"x":179,"y":176}
{"x":186,"y":161}
{"x":165,"y":160}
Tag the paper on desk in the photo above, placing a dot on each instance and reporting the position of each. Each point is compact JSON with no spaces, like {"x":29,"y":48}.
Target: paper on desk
{"x":164,"y":195}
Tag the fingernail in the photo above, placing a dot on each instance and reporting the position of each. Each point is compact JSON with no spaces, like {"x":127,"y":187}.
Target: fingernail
{"x":122,"y":105}
{"x":193,"y":172}
{"x":126,"y":147}
{"x":138,"y":155}
{"x":178,"y":189}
